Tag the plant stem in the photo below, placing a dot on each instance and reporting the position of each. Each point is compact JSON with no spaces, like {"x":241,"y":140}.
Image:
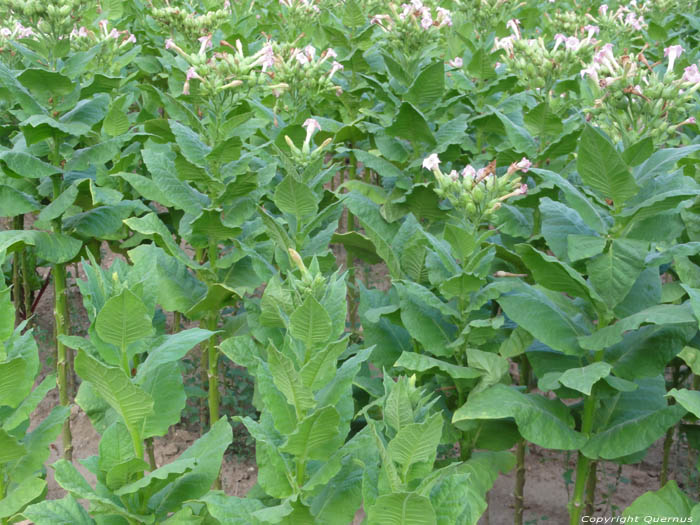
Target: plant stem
{"x":26,"y":288}
{"x":668,"y":442}
{"x":213,"y":374}
{"x":151,"y":454}
{"x":590,"y":488}
{"x":59,"y":276}
{"x":177,"y":319}
{"x":17,"y":224}
{"x":350,"y":257}
{"x":519,"y":493}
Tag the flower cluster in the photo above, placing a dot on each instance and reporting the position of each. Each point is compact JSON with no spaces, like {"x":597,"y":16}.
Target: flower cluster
{"x":52,"y":19}
{"x":478,"y":193}
{"x":305,"y":155}
{"x":220,"y":71}
{"x":83,"y":38}
{"x":190,"y":25}
{"x":413,"y":26}
{"x":537,"y":65}
{"x":296,"y":13}
{"x":632,"y":100}
{"x":486,"y":14}
{"x":309,"y":74}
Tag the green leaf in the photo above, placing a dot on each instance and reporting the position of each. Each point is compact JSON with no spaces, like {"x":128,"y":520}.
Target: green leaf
{"x":635,"y":420}
{"x":157,"y":479}
{"x":403,"y":508}
{"x":423,"y":363}
{"x":517,"y":135}
{"x":15,"y":382}
{"x":53,"y":247}
{"x":322,"y":366}
{"x":26,"y":165}
{"x":19,"y":496}
{"x":659,"y":314}
{"x":310,"y":323}
{"x":14,"y":202}
{"x":160,"y":161}
{"x":535,"y":312}
{"x":688,"y":399}
{"x":541,"y":122}
{"x":295,"y":198}
{"x":428,"y":86}
{"x":116,"y":122}
{"x":46,"y":83}
{"x":416,"y":443}
{"x":29,"y":403}
{"x":614,"y":272}
{"x":10,"y":448}
{"x":66,"y":511}
{"x":551,"y":273}
{"x":583,"y":379}
{"x":584,"y":246}
{"x":410,"y":124}
{"x":545,"y":422}
{"x":601,"y":167}
{"x":130,"y":401}
{"x":288,"y":380}
{"x":123,"y":319}
{"x":166,"y":388}
{"x":230,"y":510}
{"x":666,"y":503}
{"x":190,"y":145}
{"x":559,"y":222}
{"x":317,"y":436}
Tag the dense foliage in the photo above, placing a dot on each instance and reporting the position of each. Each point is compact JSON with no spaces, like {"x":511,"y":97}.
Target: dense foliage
{"x":525,"y":174}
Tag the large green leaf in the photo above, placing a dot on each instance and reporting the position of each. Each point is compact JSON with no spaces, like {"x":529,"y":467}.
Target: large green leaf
{"x":18,"y":497}
{"x":614,"y":272}
{"x":191,"y":146}
{"x":410,"y":124}
{"x":428,"y":86}
{"x":416,"y":443}
{"x":545,"y":422}
{"x":15,"y":202}
{"x":288,"y":380}
{"x":131,"y":402}
{"x":166,"y":388}
{"x":310,"y":323}
{"x":667,"y":503}
{"x":123,"y":319}
{"x":540,"y":316}
{"x":55,"y":248}
{"x":26,"y":165}
{"x":15,"y":382}
{"x":635,"y":420}
{"x":601,"y":167}
{"x":317,"y":436}
{"x":659,"y":314}
{"x":403,"y":508}
{"x":423,"y":363}
{"x":295,"y":198}
{"x":65,"y":511}
{"x":230,"y":510}
{"x":688,"y":399}
{"x":10,"y":448}
{"x":321,"y":368}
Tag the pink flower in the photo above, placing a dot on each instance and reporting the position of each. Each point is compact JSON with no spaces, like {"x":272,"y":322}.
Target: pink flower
{"x":591,"y":72}
{"x":524,"y":165}
{"x":301,"y":58}
{"x":591,"y":30}
{"x":310,"y":52}
{"x":191,"y":73}
{"x":337,"y":66}
{"x":169,"y":43}
{"x":572,"y":43}
{"x":469,"y":172}
{"x":513,"y":24}
{"x":632,"y":20}
{"x":113,"y":34}
{"x":672,"y":52}
{"x":454,"y":175}
{"x":427,"y":21}
{"x":330,"y":53}
{"x":205,"y":43}
{"x":267,"y":59}
{"x":444,"y":17}
{"x":691,"y":74}
{"x":522,"y":190}
{"x":603,"y":9}
{"x":431,"y":162}
{"x":558,"y":40}
{"x":456,"y":62}
{"x":311,"y":125}
{"x":130,"y":40}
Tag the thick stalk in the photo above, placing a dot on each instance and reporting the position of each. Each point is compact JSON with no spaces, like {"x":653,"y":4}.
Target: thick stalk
{"x":59,"y":279}
{"x":17,"y":224}
{"x":583,"y":463}
{"x":519,"y":493}
{"x":213,"y":374}
{"x":26,"y":288}
{"x":177,"y":319}
{"x":350,"y":261}
{"x":204,"y":368}
{"x":590,"y":489}
{"x":150,"y":450}
{"x":668,"y":442}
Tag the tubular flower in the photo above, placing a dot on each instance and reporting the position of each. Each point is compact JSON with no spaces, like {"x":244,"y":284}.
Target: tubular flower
{"x":456,"y":62}
{"x":431,"y":162}
{"x":691,"y":74}
{"x":672,"y":52}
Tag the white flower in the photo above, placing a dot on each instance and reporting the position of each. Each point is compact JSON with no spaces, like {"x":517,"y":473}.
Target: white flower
{"x":130,"y":40}
{"x":456,"y":62}
{"x":672,"y":52}
{"x":603,"y":9}
{"x":632,"y":20}
{"x":454,"y":175}
{"x":7,"y":33}
{"x":427,"y":21}
{"x":310,"y":52}
{"x":691,"y":74}
{"x":267,"y":58}
{"x":204,"y":44}
{"x":169,"y":43}
{"x":301,"y":58}
{"x":191,"y":73}
{"x":113,"y":34}
{"x":591,"y":72}
{"x":431,"y":162}
{"x":330,"y":53}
